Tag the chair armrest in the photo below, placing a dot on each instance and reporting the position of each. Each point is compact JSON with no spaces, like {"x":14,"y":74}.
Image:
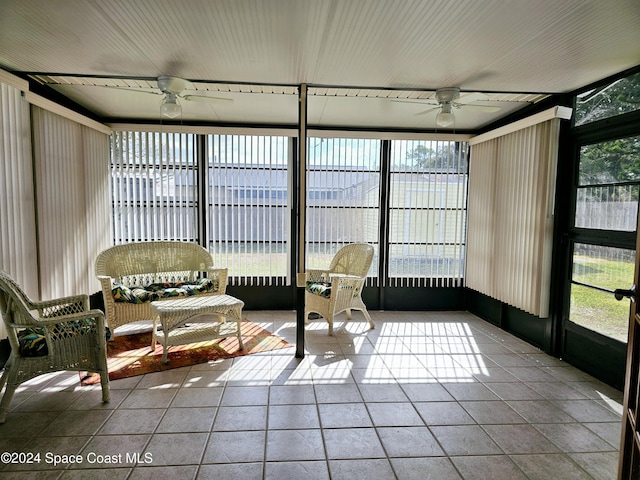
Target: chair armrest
{"x":105,"y":280}
{"x":61,"y":306}
{"x":318,"y":275}
{"x":346,"y":281}
{"x":98,"y":315}
{"x":222,"y":275}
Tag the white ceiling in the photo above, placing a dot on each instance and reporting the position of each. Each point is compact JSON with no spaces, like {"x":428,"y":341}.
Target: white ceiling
{"x":358,"y":56}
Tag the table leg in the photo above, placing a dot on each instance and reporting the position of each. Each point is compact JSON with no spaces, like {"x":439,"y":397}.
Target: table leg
{"x":238,"y":315}
{"x":153,"y":333}
{"x":165,"y":345}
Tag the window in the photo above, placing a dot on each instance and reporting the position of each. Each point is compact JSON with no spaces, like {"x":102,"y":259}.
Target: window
{"x":608,"y":185}
{"x":154,"y":187}
{"x":616,"y":98}
{"x":247,"y":215}
{"x":232,"y":194}
{"x":427,"y":211}
{"x":597,"y":272}
{"x":343,"y":197}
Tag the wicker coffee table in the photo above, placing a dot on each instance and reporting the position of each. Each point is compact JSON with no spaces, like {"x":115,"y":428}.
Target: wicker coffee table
{"x":174,"y":317}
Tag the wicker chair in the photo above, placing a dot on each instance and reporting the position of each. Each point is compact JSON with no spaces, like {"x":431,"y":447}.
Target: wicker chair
{"x":74,"y":338}
{"x":339,"y":289}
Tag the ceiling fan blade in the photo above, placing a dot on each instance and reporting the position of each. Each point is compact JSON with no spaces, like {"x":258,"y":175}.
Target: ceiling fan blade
{"x":416,"y":101}
{"x":481,"y":108}
{"x":471,"y":97}
{"x":152,"y":91}
{"x":205,"y":98}
{"x":432,"y":109}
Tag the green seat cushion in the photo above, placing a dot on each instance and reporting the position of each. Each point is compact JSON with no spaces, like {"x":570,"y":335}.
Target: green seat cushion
{"x":322,"y":289}
{"x":32,"y":342}
{"x":156,"y":291}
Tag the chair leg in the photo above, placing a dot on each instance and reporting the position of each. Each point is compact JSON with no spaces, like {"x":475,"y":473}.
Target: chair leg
{"x":7,"y":397}
{"x":5,"y":375}
{"x":368,"y":317}
{"x":104,"y":381}
{"x":330,"y":322}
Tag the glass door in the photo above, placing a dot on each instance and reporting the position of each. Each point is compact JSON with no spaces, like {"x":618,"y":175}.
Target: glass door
{"x":597,"y":272}
{"x":629,"y":461}
{"x":603,"y":251}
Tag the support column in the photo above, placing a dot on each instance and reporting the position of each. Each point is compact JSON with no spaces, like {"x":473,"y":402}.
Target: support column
{"x":301,"y":192}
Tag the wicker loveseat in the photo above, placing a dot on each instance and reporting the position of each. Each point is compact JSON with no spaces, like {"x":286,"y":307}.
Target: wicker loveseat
{"x":135,"y":274}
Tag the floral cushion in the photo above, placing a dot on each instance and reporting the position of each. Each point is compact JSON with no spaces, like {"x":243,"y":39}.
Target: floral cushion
{"x":32,"y":341}
{"x":156,"y":291}
{"x":324,"y":289}
{"x":319,"y":288}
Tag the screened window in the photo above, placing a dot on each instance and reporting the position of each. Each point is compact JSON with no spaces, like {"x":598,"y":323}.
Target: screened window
{"x":154,"y":186}
{"x":343,"y":197}
{"x":248,"y":227}
{"x":233,"y":194}
{"x":428,"y":191}
{"x":597,"y":272}
{"x":608,"y":185}
{"x":616,"y":98}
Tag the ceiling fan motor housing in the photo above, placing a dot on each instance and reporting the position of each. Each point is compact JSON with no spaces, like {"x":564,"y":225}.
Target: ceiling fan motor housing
{"x":447,"y":95}
{"x":168,"y":84}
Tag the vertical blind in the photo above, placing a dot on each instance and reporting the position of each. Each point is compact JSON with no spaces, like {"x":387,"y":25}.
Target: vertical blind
{"x":155,"y":186}
{"x":510,"y":224}
{"x":17,"y":208}
{"x":427,"y":212}
{"x":248,"y":214}
{"x":232,"y":193}
{"x":343,"y":197}
{"x":71,"y":176}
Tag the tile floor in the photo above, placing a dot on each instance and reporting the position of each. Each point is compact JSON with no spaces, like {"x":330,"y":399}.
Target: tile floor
{"x":426,"y":395}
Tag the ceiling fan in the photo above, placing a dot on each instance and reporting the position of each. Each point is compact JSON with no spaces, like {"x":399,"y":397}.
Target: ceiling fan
{"x":173,"y":88}
{"x":449,"y":98}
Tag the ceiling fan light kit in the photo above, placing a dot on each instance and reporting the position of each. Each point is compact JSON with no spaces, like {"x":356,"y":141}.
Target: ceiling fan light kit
{"x":170,"y":108}
{"x":445,"y":97}
{"x":445,"y":117}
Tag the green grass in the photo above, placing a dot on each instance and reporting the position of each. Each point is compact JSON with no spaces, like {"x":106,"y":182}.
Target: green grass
{"x":595,"y":309}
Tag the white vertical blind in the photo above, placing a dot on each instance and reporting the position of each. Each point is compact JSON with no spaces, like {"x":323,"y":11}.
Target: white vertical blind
{"x":17,"y":209}
{"x":248,"y":202}
{"x":97,"y":198}
{"x":155,"y":185}
{"x":510,"y":225}
{"x":71,"y":163}
{"x":427,"y":213}
{"x":343,"y":197}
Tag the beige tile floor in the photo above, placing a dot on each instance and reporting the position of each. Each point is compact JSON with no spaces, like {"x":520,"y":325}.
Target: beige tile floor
{"x":426,"y":395}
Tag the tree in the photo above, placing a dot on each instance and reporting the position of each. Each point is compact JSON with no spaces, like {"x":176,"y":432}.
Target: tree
{"x":615,"y":161}
{"x":445,"y":157}
{"x":421,"y":157}
{"x":619,"y":97}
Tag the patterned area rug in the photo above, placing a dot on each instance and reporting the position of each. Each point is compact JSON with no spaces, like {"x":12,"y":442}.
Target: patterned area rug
{"x":131,"y":355}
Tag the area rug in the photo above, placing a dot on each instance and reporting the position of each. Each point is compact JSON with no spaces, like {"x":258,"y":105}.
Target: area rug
{"x":131,"y":355}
